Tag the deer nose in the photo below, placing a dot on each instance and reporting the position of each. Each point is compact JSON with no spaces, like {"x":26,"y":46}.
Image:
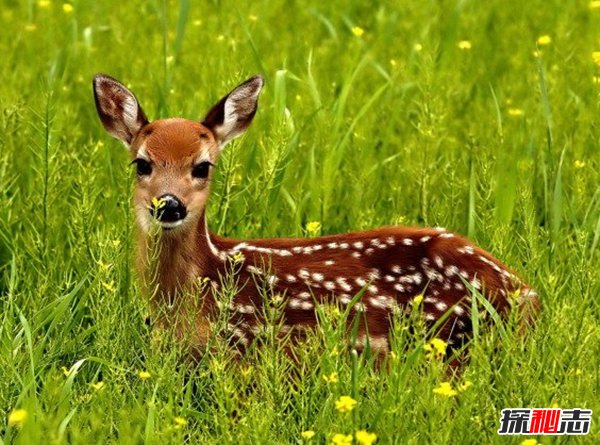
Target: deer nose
{"x":168,"y":208}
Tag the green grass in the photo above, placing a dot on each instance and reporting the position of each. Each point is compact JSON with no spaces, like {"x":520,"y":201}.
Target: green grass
{"x":353,"y":132}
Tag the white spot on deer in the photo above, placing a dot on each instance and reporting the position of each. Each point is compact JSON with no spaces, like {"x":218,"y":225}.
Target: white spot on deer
{"x":296,"y":303}
{"x":459,"y":286}
{"x":451,"y":271}
{"x":464,"y":274}
{"x":424,"y":239}
{"x":344,"y":245}
{"x":389,"y":278}
{"x":358,"y":244}
{"x":245,"y":308}
{"x":441,"y":306}
{"x":283,"y":252}
{"x":459,"y":310}
{"x":272,"y":279}
{"x":329,"y":263}
{"x":382,"y":302}
{"x":329,"y":285}
{"x":438,"y":261}
{"x":476,"y":283}
{"x":447,"y":235}
{"x":303,"y":273}
{"x":297,"y":249}
{"x":317,"y":247}
{"x":372,"y":289}
{"x":466,"y":250}
{"x":332,"y":245}
{"x":430,"y":317}
{"x":356,"y":254}
{"x":397,"y":269}
{"x":369,"y":251}
{"x":318,"y":277}
{"x":360,"y":281}
{"x":304,"y":295}
{"x":460,"y":324}
{"x":238,"y":247}
{"x":376,"y":242}
{"x":399,"y":287}
{"x":360,"y":307}
{"x":307,"y":250}
{"x":390,"y":241}
{"x":407,"y":242}
{"x":255,"y":270}
{"x":374,"y":274}
{"x":307,"y":305}
{"x":345,"y":299}
{"x":447,"y":285}
{"x":291,"y":278}
{"x":344,"y":284}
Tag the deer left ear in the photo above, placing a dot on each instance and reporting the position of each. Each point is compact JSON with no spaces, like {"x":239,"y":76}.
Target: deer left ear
{"x":232,"y":115}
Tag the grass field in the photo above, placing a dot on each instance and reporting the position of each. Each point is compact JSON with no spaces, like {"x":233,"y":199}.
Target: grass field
{"x":482,"y":117}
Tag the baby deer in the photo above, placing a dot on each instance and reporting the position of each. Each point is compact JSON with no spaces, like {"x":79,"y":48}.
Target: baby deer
{"x":376,"y":272}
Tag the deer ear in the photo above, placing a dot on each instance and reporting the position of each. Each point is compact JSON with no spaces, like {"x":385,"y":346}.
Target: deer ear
{"x":118,"y":109}
{"x":232,"y":115}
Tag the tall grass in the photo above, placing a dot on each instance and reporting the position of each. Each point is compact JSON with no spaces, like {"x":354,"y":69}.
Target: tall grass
{"x":395,"y":125}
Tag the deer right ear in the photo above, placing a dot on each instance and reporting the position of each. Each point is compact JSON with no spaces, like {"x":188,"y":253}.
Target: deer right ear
{"x":118,"y":109}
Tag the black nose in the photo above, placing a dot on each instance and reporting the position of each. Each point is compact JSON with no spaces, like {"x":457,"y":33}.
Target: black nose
{"x":168,"y":208}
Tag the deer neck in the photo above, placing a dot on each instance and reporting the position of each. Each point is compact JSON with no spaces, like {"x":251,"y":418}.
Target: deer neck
{"x":173,"y":263}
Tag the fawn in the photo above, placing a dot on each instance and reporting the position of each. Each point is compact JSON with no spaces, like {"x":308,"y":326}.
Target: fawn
{"x":376,"y":272}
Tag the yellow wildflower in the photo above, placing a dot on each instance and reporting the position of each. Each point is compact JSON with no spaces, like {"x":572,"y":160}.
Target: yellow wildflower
{"x":179,"y":422}
{"x":417,"y":300}
{"x":345,"y":404}
{"x":537,"y":54}
{"x":252,"y":18}
{"x":313,"y":227}
{"x":358,"y":31}
{"x":158,"y":203}
{"x":17,"y":417}
{"x":530,"y":442}
{"x":98,"y":385}
{"x":464,"y":45}
{"x":544,"y":40}
{"x":595,"y":4}
{"x":238,"y":257}
{"x":393,"y":62}
{"x":197,"y":22}
{"x":331,"y":378}
{"x":341,"y":439}
{"x":417,"y":47}
{"x":67,"y":8}
{"x":445,"y":389}
{"x":365,"y":438}
{"x":465,"y":385}
{"x":578,"y":371}
{"x":596,"y":57}
{"x":579,"y":164}
{"x":436,"y":348}
{"x":307,"y":435}
{"x":515,"y":112}
{"x":144,"y":375}
{"x":44,"y":4}
{"x":596,"y":80}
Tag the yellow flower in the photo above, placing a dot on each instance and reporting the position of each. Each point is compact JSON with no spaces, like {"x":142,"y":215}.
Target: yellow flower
{"x":179,"y":421}
{"x":464,"y":44}
{"x":238,"y":257}
{"x":544,"y":40}
{"x":17,"y":417}
{"x":307,"y":435}
{"x":445,"y":389}
{"x":537,"y":54}
{"x":578,"y":371}
{"x":44,"y":4}
{"x":67,"y":8}
{"x":595,"y":4}
{"x":596,"y":57}
{"x":596,"y":80}
{"x":98,"y":385}
{"x":530,"y":442}
{"x":345,"y":404}
{"x":417,"y":300}
{"x":331,"y":378}
{"x":197,"y":22}
{"x":158,"y":203}
{"x":436,"y":348}
{"x":65,"y":371}
{"x":579,"y":164}
{"x":365,"y":438}
{"x":30,"y":27}
{"x":358,"y":31}
{"x":417,"y":47}
{"x":515,"y":112}
{"x":393,"y":62}
{"x":341,"y":439}
{"x":465,"y":385}
{"x":252,"y":18}
{"x":313,"y":227}
{"x":144,"y":375}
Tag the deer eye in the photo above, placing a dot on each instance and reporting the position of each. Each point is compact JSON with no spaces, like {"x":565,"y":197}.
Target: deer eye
{"x":201,"y":170}
{"x":144,"y":168}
